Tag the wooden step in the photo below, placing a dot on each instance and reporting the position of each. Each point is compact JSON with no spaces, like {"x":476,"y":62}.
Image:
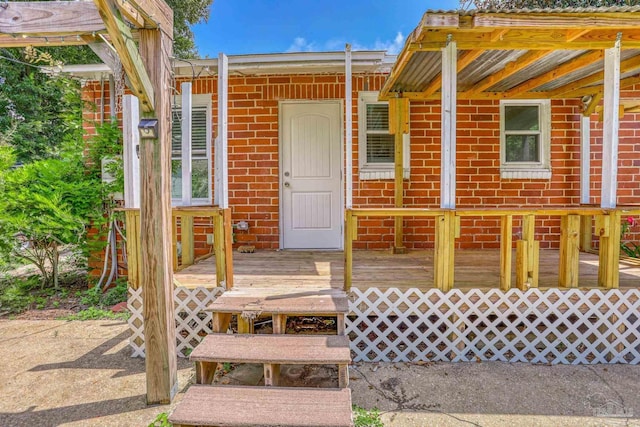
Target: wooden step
{"x":271,"y":351}
{"x":282,"y":349}
{"x":239,"y":406}
{"x":292,"y":302}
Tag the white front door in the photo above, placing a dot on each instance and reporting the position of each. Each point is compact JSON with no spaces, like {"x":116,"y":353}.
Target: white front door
{"x":310,"y":179}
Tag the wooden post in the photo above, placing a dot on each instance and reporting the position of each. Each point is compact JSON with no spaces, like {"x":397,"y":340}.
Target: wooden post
{"x":133,"y":248}
{"x":569,"y":251}
{"x":585,"y":160}
{"x":610,"y":127}
{"x":527,"y":255}
{"x":398,"y":126}
{"x":186,"y":239}
{"x":350,"y":231}
{"x":444,"y":252}
{"x":609,"y":253}
{"x":505,"y":252}
{"x":155,"y":233}
{"x":228,"y":248}
{"x":219,"y":248}
{"x":586,"y":232}
{"x":448,"y":131}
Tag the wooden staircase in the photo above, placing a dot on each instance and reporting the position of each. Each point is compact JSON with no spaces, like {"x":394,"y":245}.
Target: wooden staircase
{"x":205,"y":404}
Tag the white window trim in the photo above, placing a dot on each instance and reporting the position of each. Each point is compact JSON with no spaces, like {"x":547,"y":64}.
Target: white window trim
{"x":528,"y":170}
{"x":199,"y":101}
{"x":376,"y":170}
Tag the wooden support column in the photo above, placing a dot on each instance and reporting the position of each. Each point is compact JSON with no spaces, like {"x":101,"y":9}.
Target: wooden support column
{"x":444,"y":251}
{"x":569,"y":251}
{"x":398,"y":126}
{"x":155,"y":239}
{"x":506,"y":241}
{"x":586,"y":232}
{"x":228,"y":248}
{"x":527,"y":255}
{"x":219,"y":249}
{"x":350,"y":234}
{"x":608,"y":227}
{"x":186,"y":240}
{"x":448,"y":130}
{"x":610,"y":126}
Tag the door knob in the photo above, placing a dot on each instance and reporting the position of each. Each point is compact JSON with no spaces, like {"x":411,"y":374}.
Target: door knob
{"x":286,"y":184}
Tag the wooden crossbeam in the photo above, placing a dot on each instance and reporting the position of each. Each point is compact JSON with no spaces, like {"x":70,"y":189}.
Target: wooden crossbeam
{"x":564,"y":69}
{"x":578,"y":21}
{"x":511,"y":68}
{"x":122,"y":40}
{"x":50,"y":18}
{"x":8,"y":40}
{"x":148,"y":13}
{"x":568,"y":90}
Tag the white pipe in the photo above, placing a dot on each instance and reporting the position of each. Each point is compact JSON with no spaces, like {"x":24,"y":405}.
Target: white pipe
{"x":349,"y":125}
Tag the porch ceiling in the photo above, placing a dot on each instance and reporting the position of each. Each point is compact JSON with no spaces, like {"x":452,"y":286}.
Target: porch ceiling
{"x":518,"y":54}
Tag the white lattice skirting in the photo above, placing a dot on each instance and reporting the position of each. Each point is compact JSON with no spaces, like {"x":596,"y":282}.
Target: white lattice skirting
{"x":192,"y":321}
{"x":551,"y":326}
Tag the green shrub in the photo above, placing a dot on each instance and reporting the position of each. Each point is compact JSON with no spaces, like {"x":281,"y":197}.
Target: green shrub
{"x":93,"y":313}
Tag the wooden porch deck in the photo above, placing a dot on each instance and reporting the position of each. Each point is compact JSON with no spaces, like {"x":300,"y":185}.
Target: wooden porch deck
{"x":474,"y":269}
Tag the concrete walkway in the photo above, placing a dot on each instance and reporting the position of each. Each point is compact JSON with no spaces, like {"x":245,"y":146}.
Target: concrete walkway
{"x":80,"y":374}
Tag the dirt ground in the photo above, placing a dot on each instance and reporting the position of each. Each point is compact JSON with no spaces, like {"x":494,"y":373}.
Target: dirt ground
{"x":81,"y":374}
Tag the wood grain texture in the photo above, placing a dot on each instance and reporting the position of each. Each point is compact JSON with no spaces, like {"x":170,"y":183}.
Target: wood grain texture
{"x":130,"y":58}
{"x":50,"y":18}
{"x":263,"y":406}
{"x":155,"y":228}
{"x":268,"y":348}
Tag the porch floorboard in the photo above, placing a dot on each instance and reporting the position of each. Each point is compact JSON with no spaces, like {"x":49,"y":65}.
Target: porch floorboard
{"x":474,"y":269}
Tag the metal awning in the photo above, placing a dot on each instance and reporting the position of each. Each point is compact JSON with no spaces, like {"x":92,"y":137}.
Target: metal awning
{"x":518,"y":54}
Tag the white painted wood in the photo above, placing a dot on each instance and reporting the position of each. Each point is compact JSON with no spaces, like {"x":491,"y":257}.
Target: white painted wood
{"x":311,"y":201}
{"x":185,"y":126}
{"x":585,"y":160}
{"x":131,"y":142}
{"x":610,"y":126}
{"x":348,"y":97}
{"x":221,"y":165}
{"x":448,"y":132}
{"x":533,"y":326}
{"x":536,"y":326}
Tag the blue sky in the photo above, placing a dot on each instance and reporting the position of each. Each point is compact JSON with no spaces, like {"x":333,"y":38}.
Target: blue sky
{"x":273,"y":26}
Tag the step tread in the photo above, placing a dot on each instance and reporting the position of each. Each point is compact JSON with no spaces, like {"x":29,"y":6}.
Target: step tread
{"x":240,"y":406}
{"x":280,"y":349}
{"x":294,"y":301}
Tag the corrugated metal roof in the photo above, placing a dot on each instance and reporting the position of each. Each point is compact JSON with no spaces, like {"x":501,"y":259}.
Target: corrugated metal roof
{"x":486,"y":64}
{"x":547,"y":63}
{"x":419,"y":71}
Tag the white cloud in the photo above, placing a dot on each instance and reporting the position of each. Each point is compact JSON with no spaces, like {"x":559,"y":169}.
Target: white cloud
{"x":300,"y":44}
{"x":393,"y":47}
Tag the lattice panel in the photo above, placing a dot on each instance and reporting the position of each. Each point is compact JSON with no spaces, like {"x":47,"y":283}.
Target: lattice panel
{"x":534,"y":326}
{"x":192,"y":321}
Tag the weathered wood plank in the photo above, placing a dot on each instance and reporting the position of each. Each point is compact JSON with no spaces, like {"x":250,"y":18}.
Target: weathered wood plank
{"x":506,"y":234}
{"x":569,"y":251}
{"x":155,"y":13}
{"x":261,"y":406}
{"x":155,"y":235}
{"x":577,"y":21}
{"x":130,"y":58}
{"x":51,"y":18}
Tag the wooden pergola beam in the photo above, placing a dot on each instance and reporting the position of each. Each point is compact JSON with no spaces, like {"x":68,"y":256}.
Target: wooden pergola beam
{"x":606,"y":20}
{"x":122,"y":40}
{"x":154,"y":13}
{"x":569,"y":90}
{"x":564,"y":69}
{"x":510,"y":69}
{"x":44,"y":19}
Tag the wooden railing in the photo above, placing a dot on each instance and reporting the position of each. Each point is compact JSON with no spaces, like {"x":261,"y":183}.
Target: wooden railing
{"x":182,"y":219}
{"x":575,"y":234}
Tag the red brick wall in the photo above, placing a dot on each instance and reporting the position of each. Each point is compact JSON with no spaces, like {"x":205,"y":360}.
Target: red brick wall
{"x":253,"y":162}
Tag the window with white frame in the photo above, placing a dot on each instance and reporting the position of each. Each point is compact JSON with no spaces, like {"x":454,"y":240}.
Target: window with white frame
{"x":525,"y":139}
{"x":376,"y":145}
{"x":200,"y":152}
